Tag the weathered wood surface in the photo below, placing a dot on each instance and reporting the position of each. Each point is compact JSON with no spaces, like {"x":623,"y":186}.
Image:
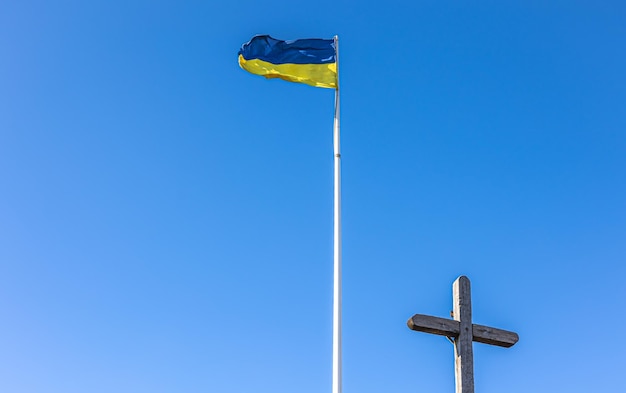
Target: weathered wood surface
{"x":463,"y":351}
{"x":434,"y":325}
{"x":493,"y":336}
{"x":450,"y":328}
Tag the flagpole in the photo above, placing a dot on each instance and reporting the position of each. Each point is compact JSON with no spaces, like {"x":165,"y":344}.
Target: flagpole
{"x":337,"y":242}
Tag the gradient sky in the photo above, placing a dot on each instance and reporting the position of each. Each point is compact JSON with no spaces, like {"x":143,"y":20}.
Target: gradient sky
{"x":166,"y":218}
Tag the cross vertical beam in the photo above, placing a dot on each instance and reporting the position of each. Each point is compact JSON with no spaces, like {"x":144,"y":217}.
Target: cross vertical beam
{"x":463,"y":351}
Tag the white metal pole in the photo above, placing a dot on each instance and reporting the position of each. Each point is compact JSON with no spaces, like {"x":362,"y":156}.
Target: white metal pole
{"x":337,"y":243}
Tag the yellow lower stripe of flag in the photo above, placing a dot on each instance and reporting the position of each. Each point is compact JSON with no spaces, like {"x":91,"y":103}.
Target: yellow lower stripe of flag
{"x":318,"y":75}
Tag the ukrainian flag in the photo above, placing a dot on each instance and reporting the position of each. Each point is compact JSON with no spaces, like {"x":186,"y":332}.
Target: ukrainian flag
{"x":311,"y":61}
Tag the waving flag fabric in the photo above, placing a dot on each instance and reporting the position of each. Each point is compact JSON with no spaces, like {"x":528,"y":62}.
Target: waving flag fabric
{"x":311,"y":61}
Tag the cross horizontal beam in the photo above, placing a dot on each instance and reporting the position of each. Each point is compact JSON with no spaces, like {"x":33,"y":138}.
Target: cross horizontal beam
{"x":450,"y":328}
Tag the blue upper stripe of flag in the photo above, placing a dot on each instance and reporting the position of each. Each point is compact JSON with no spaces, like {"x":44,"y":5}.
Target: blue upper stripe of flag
{"x":305,"y":51}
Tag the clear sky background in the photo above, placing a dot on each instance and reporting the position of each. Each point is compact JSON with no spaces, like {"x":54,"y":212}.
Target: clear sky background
{"x":166,"y":218}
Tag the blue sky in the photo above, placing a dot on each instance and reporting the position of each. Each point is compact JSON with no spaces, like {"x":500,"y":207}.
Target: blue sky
{"x":166,"y":218}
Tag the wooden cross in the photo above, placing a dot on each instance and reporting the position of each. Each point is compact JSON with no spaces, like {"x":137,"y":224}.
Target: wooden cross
{"x":461,"y":331}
